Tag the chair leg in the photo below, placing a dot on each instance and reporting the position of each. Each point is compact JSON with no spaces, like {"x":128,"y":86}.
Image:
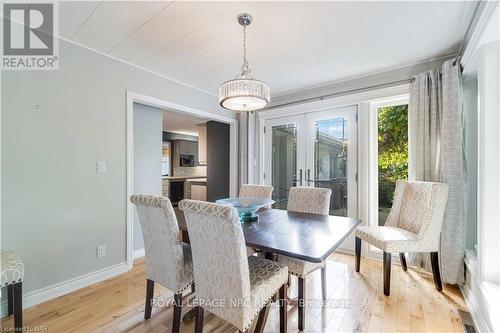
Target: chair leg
{"x":198,"y":324}
{"x":18,"y":306}
{"x":283,"y":303}
{"x":10,"y":299}
{"x":150,"y":287}
{"x":402,"y":258}
{"x":387,"y":273}
{"x":176,"y":323}
{"x":358,"y":253}
{"x":301,"y":301}
{"x":323,"y":284}
{"x":435,"y":270}
{"x":261,"y":321}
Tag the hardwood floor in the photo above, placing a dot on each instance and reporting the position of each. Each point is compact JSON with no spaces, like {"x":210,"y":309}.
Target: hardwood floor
{"x":117,"y":305}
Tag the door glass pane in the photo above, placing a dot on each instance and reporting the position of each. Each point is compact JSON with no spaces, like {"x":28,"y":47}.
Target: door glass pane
{"x":392,"y":154}
{"x":330,"y":162}
{"x":284,"y":162}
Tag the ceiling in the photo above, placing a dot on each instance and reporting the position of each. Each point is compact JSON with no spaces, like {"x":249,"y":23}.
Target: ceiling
{"x":291,"y":45}
{"x":178,"y":123}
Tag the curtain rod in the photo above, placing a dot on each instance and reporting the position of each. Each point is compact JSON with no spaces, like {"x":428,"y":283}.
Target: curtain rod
{"x":467,"y":32}
{"x":345,"y":92}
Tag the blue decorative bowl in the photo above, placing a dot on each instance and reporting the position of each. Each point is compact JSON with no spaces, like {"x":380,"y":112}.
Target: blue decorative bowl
{"x":246,"y":207}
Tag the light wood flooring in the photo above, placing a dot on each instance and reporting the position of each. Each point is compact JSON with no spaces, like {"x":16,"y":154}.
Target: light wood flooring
{"x":117,"y":304}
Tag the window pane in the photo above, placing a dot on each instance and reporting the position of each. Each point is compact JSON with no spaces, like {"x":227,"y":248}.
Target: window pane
{"x":284,"y":162}
{"x":330,"y":162}
{"x":392,"y":154}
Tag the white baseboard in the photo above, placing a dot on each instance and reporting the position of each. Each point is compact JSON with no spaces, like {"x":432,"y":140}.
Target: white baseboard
{"x":138,"y":254}
{"x":62,"y":288}
{"x":472,"y":304}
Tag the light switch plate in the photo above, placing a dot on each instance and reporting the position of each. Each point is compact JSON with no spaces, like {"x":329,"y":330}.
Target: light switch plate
{"x":101,"y":167}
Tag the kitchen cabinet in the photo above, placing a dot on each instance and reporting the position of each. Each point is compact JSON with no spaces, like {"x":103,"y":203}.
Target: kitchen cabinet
{"x":202,"y":144}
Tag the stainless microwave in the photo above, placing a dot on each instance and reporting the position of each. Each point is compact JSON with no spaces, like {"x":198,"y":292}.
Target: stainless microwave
{"x":187,"y":160}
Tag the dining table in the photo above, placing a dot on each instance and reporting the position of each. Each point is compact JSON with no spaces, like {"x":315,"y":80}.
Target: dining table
{"x":304,"y":236}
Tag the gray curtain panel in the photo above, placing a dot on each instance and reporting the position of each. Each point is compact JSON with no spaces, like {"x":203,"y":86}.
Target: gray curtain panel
{"x":436,"y":150}
{"x":246,"y":145}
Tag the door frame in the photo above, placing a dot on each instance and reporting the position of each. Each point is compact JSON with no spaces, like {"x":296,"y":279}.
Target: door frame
{"x":134,"y":97}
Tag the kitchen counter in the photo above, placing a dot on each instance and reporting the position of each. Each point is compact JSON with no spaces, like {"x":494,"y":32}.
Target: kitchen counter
{"x":182,"y":177}
{"x":197,"y":180}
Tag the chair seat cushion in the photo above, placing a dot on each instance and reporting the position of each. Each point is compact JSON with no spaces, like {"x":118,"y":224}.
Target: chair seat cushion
{"x":12,"y":268}
{"x":298,"y":267}
{"x":266,"y":278}
{"x":390,"y":239}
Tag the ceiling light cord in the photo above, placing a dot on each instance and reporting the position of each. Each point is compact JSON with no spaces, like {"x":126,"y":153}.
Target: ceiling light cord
{"x":245,"y":68}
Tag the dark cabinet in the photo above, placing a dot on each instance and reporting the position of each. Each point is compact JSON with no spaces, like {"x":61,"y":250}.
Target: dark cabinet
{"x":217,"y":161}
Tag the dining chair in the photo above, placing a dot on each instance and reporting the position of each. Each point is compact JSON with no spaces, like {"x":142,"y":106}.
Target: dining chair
{"x":229,"y":284}
{"x":256,"y":191}
{"x":313,"y":200}
{"x":414,"y":225}
{"x":168,"y":260}
{"x":12,"y":276}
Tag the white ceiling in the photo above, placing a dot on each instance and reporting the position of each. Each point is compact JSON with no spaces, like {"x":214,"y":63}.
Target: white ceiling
{"x":291,"y":45}
{"x":178,"y":123}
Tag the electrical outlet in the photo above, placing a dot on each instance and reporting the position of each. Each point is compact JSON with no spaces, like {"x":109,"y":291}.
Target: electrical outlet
{"x":101,"y":167}
{"x":101,"y":251}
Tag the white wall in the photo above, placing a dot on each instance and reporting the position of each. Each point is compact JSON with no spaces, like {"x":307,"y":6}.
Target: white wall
{"x":148,"y":137}
{"x":55,"y":208}
{"x":482,"y":60}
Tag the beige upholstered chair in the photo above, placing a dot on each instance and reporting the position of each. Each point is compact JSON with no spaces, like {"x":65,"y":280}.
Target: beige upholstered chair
{"x":256,"y":191}
{"x":224,"y":273}
{"x":413,"y":225}
{"x":12,"y":275}
{"x":168,"y":260}
{"x":312,"y":200}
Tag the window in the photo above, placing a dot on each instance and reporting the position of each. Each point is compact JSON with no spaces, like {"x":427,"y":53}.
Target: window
{"x":165,"y":159}
{"x":389,"y":154}
{"x":392,"y":138}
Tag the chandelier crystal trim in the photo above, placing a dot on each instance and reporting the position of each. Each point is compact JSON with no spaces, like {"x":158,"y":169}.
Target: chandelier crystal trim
{"x":244,"y":93}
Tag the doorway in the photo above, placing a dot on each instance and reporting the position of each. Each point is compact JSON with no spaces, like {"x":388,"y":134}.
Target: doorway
{"x":230,"y":175}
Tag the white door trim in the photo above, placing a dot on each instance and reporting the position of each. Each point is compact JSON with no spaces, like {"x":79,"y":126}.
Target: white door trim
{"x":134,"y":97}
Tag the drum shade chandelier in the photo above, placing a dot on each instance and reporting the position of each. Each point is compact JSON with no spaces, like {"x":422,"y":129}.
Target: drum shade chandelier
{"x":244,"y":93}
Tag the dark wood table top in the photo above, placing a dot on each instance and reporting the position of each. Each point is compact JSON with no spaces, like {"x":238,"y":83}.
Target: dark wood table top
{"x":308,"y":237}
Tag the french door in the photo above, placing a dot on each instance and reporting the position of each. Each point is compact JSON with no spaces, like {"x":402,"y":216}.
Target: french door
{"x":317,"y":149}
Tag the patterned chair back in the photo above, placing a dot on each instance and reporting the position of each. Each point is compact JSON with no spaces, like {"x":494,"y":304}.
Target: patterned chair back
{"x":162,"y":244}
{"x":312,"y":200}
{"x":219,"y":257}
{"x":419,"y":208}
{"x":256,"y":191}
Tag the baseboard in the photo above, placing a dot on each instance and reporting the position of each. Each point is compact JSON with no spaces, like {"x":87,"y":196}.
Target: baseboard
{"x":477,"y":315}
{"x":35,"y":297}
{"x":138,"y":254}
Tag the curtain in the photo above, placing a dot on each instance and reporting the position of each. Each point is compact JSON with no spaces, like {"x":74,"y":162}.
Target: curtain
{"x":246,"y":146}
{"x":436,"y":153}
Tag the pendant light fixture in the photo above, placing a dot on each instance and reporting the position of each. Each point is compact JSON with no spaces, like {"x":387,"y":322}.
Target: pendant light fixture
{"x":244,"y":93}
